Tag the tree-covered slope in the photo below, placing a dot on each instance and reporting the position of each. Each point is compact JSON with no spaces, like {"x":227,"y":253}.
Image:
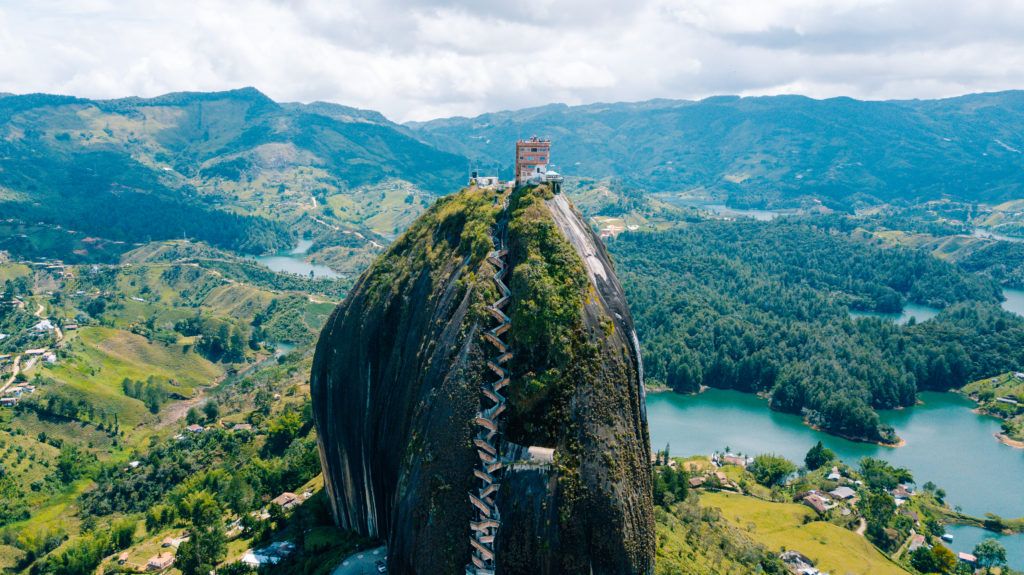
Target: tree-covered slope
{"x":774,"y":150}
{"x":221,"y":167}
{"x":765,"y":307}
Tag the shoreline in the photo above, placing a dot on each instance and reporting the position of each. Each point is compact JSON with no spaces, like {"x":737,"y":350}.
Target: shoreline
{"x":704,"y":388}
{"x":1002,"y":438}
{"x":899,"y":443}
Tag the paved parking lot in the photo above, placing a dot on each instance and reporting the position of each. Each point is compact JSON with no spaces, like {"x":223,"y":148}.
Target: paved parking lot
{"x":362,"y":563}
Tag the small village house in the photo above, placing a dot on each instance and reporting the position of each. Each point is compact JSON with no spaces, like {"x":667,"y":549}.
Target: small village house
{"x":730,"y":459}
{"x":160,"y":561}
{"x":285,"y":500}
{"x":916,"y":541}
{"x":816,"y":502}
{"x":843,"y":492}
{"x":966,"y":558}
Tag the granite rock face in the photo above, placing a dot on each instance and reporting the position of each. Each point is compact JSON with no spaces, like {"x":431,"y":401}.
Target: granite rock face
{"x":396,"y":386}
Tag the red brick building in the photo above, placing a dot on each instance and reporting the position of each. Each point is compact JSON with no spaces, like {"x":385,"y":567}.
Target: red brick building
{"x":532,"y":159}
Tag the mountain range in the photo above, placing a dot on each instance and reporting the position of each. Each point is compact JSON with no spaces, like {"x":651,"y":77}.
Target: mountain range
{"x":246,"y":173}
{"x":779,"y":151}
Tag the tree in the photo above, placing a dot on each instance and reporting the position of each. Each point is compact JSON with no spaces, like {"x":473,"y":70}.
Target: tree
{"x":205,"y":548}
{"x":877,"y":508}
{"x":211,"y":410}
{"x":193,"y":417}
{"x":122,"y":534}
{"x":201,"y":508}
{"x":771,"y":470}
{"x":818,"y":456}
{"x":990,"y":553}
{"x":236,"y":568}
{"x":944,"y":558}
{"x":923,"y":560}
{"x":282,"y":430}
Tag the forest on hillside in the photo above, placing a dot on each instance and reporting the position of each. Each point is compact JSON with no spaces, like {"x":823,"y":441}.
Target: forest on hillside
{"x":765,"y":307}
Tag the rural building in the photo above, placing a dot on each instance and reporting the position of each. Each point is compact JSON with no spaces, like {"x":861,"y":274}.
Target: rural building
{"x":916,"y":541}
{"x":899,"y":493}
{"x":966,"y":558}
{"x":483,"y":181}
{"x":45,"y":325}
{"x":270,"y":555}
{"x":285,"y":500}
{"x":8,"y":401}
{"x":729,"y":459}
{"x":816,"y":502}
{"x":696,"y":482}
{"x":160,"y":561}
{"x":195,"y":428}
{"x":242,"y":427}
{"x":122,"y":558}
{"x":843,"y":492}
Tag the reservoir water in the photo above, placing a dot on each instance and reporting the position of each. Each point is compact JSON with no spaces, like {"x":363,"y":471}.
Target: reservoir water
{"x":759,"y":215}
{"x":291,"y":262}
{"x":1014,"y":301}
{"x":920,"y":313}
{"x":946,"y":442}
{"x":983,"y":233}
{"x":965,"y":537}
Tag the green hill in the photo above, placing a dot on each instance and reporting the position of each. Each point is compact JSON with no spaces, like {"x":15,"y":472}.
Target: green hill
{"x":231,"y":168}
{"x":783,"y":150}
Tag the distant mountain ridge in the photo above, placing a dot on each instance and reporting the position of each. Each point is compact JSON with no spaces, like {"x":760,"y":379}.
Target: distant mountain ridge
{"x":246,"y":173}
{"x":775,"y":151}
{"x":200,"y":161}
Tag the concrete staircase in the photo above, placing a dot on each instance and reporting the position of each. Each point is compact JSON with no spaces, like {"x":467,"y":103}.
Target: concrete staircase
{"x":486,"y":521}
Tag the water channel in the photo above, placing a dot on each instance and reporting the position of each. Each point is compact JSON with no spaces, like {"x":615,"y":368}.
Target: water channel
{"x":291,"y":262}
{"x":946,"y":443}
{"x":920,"y":313}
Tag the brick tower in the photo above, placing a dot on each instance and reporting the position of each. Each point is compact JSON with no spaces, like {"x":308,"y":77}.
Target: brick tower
{"x":532,"y":158}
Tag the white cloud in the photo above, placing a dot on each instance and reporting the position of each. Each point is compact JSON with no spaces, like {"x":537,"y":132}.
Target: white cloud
{"x":420,"y":59}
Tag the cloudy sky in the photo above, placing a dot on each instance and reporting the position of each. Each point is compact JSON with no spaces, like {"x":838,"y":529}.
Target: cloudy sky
{"x":417,"y":60}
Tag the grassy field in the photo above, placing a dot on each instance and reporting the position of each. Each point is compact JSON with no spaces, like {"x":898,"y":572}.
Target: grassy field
{"x":791,"y":526}
{"x":11,"y":271}
{"x":104,"y":357}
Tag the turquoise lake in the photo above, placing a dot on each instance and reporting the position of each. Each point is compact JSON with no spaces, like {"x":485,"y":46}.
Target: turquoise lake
{"x":946,"y":442}
{"x":1014,"y":301}
{"x":920,"y":313}
{"x":291,"y":262}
